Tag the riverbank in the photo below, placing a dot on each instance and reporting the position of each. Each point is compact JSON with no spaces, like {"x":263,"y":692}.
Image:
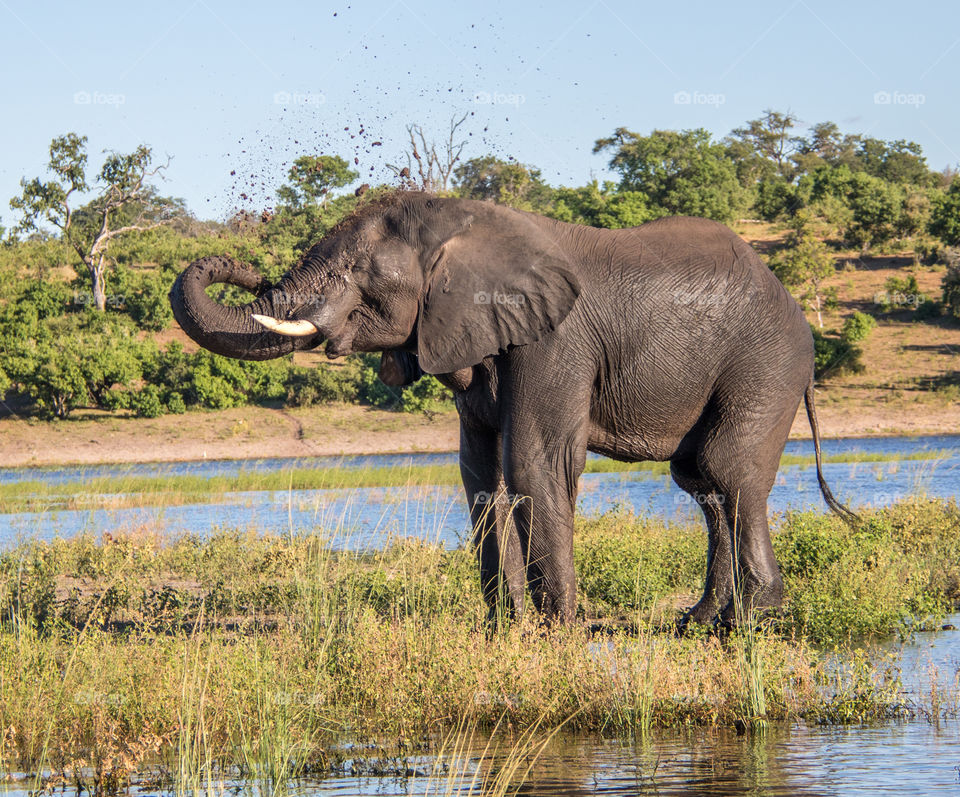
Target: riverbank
{"x":258,"y":432}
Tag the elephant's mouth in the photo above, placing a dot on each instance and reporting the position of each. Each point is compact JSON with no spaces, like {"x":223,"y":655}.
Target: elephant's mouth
{"x":339,"y":346}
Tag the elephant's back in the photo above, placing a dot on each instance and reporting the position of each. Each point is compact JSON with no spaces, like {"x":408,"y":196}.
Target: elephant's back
{"x":689,"y":269}
{"x":685,"y":307}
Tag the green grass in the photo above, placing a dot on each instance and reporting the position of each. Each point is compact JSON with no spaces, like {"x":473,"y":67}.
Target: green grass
{"x":125,"y":491}
{"x":258,"y":655}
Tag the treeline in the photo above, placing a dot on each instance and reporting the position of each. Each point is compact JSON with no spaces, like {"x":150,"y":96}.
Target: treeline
{"x":83,"y":299}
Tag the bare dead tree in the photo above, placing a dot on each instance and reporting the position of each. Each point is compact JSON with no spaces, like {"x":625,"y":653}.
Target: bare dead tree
{"x":429,"y":166}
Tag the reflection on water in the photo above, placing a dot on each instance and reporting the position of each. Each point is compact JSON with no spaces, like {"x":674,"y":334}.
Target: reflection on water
{"x":910,"y":758}
{"x":914,"y":758}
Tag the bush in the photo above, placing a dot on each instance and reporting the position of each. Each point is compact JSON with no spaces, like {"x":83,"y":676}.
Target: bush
{"x":78,"y":360}
{"x":309,"y":386}
{"x":835,"y":355}
{"x":899,"y":293}
{"x":945,"y":216}
{"x":857,"y":327}
{"x":426,"y":395}
{"x":928,"y":309}
{"x":175,"y":403}
{"x":142,"y":294}
{"x":876,"y":206}
{"x":777,"y":198}
{"x":626,"y":563}
{"x":146,"y":402}
{"x":895,"y":569}
{"x":951,"y":284}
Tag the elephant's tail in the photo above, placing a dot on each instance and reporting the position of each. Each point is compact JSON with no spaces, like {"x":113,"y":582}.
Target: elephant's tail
{"x":849,"y":517}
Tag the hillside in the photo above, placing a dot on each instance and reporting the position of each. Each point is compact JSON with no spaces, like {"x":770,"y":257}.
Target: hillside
{"x":909,"y":386}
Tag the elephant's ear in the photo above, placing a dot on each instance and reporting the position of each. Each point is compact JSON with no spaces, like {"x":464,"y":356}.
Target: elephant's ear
{"x":492,"y":286}
{"x":399,"y":368}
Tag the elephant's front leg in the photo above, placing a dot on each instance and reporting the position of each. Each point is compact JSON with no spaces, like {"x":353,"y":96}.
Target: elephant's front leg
{"x":496,"y":542}
{"x":541,"y":469}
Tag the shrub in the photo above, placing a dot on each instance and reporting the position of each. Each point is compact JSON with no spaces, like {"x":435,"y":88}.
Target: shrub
{"x":835,"y":355}
{"x":899,"y":293}
{"x":175,"y":403}
{"x":306,"y":387}
{"x":945,"y":216}
{"x":77,"y":360}
{"x":928,"y":309}
{"x":142,"y":294}
{"x":951,"y":284}
{"x":625,"y":563}
{"x":857,"y":327}
{"x":896,"y":568}
{"x":426,"y":395}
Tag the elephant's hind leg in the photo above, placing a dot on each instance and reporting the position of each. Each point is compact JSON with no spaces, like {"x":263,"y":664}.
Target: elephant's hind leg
{"x":741,"y":458}
{"x":718,"y":587}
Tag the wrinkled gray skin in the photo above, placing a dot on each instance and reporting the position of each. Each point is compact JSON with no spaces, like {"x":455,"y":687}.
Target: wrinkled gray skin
{"x":666,"y":342}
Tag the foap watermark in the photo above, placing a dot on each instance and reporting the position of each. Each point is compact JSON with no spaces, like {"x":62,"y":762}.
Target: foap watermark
{"x":488,"y":699}
{"x":91,"y":698}
{"x":297,"y":300}
{"x":483,"y":497}
{"x":98,"y":98}
{"x":899,"y":98}
{"x":895,"y":299}
{"x":887,"y":498}
{"x":700,"y":499}
{"x":498,"y":297}
{"x":700,"y":298}
{"x":84,"y":298}
{"x":699,"y":98}
{"x":309,"y":699}
{"x":315,"y":98}
{"x":498,"y":98}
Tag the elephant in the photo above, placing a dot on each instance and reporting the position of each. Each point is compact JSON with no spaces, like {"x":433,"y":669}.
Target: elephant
{"x":671,"y":342}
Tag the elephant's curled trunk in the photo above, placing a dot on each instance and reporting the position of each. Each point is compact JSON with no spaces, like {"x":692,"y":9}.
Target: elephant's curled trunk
{"x":231,"y":331}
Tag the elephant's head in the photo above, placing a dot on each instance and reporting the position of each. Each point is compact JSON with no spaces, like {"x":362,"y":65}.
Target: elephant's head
{"x":449,"y":281}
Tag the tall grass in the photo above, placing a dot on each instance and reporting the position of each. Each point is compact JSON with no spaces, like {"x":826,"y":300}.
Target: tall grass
{"x":254,"y":655}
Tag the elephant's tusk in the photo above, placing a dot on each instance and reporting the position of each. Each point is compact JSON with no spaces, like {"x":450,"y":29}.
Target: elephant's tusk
{"x":296,"y":329}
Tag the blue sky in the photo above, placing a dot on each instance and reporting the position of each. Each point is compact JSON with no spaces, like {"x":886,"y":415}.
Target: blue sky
{"x":227,"y":87}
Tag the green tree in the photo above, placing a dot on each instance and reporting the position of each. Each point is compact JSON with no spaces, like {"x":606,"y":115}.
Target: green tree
{"x":951,"y":283}
{"x":915,"y":211}
{"x":682,"y":172}
{"x":764,"y":147}
{"x":858,"y":327}
{"x":311,"y":178}
{"x":897,"y":161}
{"x":602,"y":206}
{"x":777,"y":197}
{"x":506,"y":182}
{"x":803,"y":265}
{"x":876,"y":207}
{"x":945,"y":215}
{"x":83,"y":359}
{"x":308,"y":207}
{"x":123,"y":202}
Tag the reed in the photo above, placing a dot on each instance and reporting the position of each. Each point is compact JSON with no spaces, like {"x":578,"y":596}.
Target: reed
{"x":203,"y":661}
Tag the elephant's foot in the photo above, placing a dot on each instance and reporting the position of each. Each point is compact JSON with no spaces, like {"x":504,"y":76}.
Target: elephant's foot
{"x":705,"y":611}
{"x":756,"y":601}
